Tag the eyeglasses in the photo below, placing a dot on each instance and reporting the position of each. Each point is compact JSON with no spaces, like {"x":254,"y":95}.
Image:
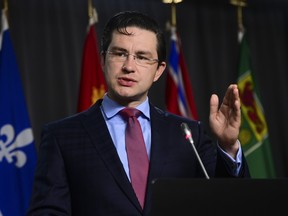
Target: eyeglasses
{"x":120,"y":56}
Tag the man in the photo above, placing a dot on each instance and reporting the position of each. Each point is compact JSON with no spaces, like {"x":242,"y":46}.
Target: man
{"x":83,"y":167}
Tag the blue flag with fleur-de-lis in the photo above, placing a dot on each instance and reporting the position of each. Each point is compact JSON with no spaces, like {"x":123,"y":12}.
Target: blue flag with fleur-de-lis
{"x":17,"y":149}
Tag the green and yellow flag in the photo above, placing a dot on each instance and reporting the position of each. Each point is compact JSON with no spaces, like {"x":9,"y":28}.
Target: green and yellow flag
{"x":254,"y":131}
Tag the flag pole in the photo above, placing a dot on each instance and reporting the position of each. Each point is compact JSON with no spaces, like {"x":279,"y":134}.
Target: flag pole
{"x":173,"y":10}
{"x":173,"y":14}
{"x":5,"y":9}
{"x":239,"y":4}
{"x":5,"y":4}
{"x":92,"y":13}
{"x":90,"y":9}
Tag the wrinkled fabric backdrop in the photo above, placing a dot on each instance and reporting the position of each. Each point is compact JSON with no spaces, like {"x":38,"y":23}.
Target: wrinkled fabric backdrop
{"x":48,"y":38}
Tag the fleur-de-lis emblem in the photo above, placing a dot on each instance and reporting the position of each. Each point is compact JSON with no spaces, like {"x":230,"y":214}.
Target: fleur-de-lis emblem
{"x":9,"y":144}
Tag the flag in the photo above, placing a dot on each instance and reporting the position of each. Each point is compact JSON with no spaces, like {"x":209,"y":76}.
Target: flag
{"x":17,"y":148}
{"x":254,"y":136}
{"x":92,"y":82}
{"x":179,"y":95}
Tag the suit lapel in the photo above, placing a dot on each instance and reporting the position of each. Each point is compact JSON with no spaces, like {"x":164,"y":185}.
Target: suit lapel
{"x":100,"y":136}
{"x":159,"y":142}
{"x":159,"y":149}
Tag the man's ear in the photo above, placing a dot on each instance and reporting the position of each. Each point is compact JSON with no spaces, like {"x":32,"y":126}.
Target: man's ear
{"x":160,"y":70}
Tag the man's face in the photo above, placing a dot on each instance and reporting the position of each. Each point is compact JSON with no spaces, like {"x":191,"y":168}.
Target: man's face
{"x":129,"y":80}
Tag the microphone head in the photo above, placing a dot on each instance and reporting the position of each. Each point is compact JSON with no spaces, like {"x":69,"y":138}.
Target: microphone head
{"x":186,"y":130}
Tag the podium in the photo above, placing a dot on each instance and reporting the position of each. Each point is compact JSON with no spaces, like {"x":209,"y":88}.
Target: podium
{"x":231,"y":196}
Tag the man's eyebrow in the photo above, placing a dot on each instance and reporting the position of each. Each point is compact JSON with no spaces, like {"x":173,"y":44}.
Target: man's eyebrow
{"x":143,"y":52}
{"x":118,"y":49}
{"x":140,"y":52}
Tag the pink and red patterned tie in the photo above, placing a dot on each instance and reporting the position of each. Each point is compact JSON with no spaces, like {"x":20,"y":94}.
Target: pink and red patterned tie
{"x":136,"y":152}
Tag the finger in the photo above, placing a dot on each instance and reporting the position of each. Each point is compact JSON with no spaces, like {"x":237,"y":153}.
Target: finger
{"x":214,"y":104}
{"x":236,"y":98}
{"x":229,"y":95}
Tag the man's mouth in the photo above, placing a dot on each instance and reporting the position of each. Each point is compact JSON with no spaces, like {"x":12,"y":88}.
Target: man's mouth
{"x":126,"y":81}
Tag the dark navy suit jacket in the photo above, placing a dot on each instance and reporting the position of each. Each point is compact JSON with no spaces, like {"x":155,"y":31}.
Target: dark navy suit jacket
{"x":79,"y":172}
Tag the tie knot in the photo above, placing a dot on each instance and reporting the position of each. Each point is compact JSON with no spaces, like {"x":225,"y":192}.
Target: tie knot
{"x":130,"y":112}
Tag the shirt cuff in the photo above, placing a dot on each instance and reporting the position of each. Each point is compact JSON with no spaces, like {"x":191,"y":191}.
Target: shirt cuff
{"x":233,"y":164}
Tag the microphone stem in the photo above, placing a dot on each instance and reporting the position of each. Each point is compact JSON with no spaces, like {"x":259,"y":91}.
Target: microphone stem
{"x":199,"y":159}
{"x":188,"y":136}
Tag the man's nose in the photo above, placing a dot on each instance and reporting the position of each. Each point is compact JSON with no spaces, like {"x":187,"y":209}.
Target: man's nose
{"x":129,"y":63}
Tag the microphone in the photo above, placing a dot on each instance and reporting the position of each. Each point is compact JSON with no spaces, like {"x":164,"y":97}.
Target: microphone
{"x":188,"y":136}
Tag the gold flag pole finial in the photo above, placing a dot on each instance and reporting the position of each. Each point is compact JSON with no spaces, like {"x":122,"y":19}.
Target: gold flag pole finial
{"x":239,"y":4}
{"x":5,"y":4}
{"x":92,"y":13}
{"x":173,"y":9}
{"x":5,"y":9}
{"x":90,"y":9}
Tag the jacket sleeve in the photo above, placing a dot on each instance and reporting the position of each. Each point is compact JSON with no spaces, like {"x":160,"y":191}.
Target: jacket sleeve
{"x":223,"y":170}
{"x":51,"y":192}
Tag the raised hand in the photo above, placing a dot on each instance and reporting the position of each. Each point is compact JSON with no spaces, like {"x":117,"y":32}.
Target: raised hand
{"x":225,"y":120}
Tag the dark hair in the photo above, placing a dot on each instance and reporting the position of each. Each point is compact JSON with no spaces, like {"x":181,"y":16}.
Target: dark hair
{"x":122,"y":20}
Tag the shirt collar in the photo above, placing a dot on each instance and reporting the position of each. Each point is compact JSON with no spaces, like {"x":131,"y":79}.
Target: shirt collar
{"x":111,"y":108}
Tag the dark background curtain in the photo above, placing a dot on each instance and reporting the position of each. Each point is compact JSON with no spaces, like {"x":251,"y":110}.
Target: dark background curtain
{"x":48,"y":37}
